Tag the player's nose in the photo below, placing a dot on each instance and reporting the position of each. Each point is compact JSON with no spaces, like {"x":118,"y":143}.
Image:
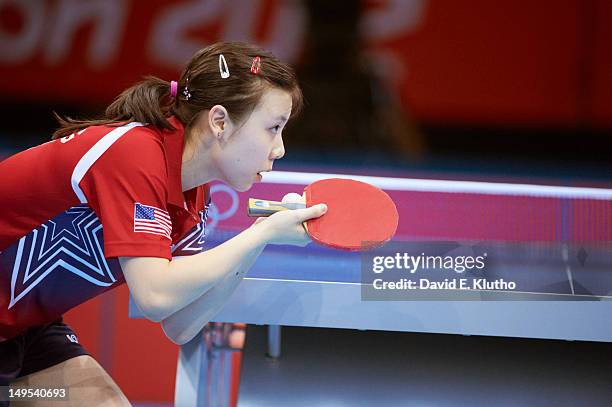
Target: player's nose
{"x":278,"y":151}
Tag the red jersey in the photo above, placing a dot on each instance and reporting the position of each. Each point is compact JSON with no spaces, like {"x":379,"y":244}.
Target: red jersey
{"x":71,"y":206}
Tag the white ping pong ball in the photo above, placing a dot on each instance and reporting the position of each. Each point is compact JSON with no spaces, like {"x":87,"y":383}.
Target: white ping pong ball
{"x":292,"y":197}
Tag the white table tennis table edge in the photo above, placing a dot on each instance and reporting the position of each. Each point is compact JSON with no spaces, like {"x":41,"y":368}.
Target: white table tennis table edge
{"x":349,"y":283}
{"x":448,"y":186}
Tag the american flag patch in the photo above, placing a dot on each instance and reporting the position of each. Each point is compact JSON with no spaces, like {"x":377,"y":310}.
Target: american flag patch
{"x":149,"y":219}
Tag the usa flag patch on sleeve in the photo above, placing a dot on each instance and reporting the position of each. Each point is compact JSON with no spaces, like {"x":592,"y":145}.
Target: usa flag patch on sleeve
{"x":149,"y":219}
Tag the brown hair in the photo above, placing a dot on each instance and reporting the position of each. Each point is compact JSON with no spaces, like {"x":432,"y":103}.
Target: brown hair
{"x":149,"y":101}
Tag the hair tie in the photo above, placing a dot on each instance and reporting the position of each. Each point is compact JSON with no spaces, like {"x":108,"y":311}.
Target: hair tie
{"x":256,"y":65}
{"x":173,"y":89}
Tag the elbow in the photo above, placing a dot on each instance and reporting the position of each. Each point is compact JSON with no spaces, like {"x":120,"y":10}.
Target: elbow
{"x":178,"y":340}
{"x":178,"y":337}
{"x":154,"y":316}
{"x":153,"y":308}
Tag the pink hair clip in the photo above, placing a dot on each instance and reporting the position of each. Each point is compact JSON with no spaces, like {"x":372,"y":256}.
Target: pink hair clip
{"x":256,"y":65}
{"x":173,"y":89}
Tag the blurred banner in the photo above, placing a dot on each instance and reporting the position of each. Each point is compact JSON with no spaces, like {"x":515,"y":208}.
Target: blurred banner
{"x":505,"y":62}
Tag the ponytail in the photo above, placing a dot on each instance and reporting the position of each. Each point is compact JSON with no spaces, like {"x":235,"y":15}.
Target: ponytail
{"x":145,"y":102}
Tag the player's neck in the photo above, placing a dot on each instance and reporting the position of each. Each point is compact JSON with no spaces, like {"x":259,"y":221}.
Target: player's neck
{"x":197,"y":168}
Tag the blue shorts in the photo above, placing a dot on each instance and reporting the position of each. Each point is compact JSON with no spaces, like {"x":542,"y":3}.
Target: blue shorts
{"x":37,"y":348}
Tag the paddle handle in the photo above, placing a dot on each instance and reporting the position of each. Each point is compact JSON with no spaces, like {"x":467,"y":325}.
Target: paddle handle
{"x":262,"y":207}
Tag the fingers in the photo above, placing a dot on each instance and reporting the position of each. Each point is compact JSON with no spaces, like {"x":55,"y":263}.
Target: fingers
{"x":309,"y":213}
{"x":287,"y":227}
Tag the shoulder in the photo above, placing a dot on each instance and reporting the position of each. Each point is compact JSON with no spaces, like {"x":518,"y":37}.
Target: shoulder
{"x":131,"y":146}
{"x":133,"y":162}
{"x":140,"y":142}
{"x":130,"y":161}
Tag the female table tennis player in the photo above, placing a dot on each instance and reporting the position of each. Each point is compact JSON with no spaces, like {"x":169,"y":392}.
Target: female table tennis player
{"x":124,"y":199}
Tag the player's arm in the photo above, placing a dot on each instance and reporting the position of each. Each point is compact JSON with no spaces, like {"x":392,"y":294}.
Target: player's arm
{"x":184,"y":324}
{"x":162,"y":288}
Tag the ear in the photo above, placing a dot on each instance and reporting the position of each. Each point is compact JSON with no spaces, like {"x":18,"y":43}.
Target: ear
{"x":219,"y":122}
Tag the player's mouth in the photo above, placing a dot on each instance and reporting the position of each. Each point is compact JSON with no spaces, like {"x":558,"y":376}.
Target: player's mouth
{"x":260,"y":173}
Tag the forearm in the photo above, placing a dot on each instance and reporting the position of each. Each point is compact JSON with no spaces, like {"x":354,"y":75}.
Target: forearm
{"x":183,"y":280}
{"x":183,"y":325}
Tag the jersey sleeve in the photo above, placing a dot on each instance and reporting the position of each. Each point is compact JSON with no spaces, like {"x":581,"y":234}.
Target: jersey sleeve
{"x":127,"y":189}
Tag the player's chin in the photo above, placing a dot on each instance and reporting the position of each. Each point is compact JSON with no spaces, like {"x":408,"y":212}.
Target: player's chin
{"x":246,"y":183}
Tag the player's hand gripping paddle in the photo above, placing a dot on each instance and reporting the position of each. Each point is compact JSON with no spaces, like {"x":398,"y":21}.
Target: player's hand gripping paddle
{"x":359,"y":216}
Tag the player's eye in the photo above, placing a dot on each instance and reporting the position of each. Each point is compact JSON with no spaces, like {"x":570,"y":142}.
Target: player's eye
{"x":276,"y":128}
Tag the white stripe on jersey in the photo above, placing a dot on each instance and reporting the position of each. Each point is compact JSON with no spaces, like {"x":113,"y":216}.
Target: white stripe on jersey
{"x":91,"y":156}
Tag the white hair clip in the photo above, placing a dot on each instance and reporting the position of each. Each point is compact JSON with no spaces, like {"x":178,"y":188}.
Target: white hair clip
{"x":223,"y":69}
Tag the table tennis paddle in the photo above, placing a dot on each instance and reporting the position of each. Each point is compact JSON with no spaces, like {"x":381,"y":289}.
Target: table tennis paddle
{"x":359,"y":216}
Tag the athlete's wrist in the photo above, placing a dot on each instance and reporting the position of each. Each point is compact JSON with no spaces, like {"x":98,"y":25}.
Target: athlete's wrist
{"x":262,"y":231}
